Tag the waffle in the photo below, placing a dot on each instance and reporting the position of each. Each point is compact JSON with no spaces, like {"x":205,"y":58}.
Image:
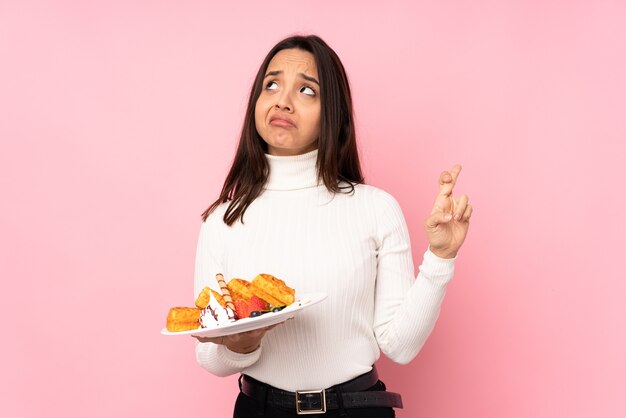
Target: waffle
{"x":183,"y":319}
{"x":272,"y":290}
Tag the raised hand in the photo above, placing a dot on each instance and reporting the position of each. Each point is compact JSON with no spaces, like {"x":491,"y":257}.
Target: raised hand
{"x":448,"y":222}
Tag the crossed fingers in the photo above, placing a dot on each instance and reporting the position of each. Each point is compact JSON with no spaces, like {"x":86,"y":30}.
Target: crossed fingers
{"x":446,"y":202}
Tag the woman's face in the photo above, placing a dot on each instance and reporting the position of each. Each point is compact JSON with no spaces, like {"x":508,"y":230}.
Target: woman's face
{"x":287,"y":113}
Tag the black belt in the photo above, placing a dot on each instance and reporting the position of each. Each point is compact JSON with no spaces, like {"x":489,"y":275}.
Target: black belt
{"x":353,"y":395}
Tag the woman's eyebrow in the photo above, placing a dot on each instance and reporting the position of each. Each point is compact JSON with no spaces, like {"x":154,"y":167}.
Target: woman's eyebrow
{"x":309,"y":78}
{"x":306,"y":77}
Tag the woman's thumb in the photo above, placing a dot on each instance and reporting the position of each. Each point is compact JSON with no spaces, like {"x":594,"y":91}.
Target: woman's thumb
{"x":437,"y":218}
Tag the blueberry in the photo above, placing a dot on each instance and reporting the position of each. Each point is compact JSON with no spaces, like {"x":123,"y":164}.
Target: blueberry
{"x":255,"y":314}
{"x":277,"y":308}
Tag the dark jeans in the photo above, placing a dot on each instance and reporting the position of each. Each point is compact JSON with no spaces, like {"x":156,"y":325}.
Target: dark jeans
{"x":246,"y":407}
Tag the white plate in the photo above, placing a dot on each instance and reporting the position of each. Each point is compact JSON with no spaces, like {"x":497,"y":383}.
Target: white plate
{"x":249,"y":324}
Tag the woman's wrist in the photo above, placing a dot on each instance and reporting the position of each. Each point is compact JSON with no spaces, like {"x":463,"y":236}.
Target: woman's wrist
{"x":235,"y":348}
{"x":443,"y":253}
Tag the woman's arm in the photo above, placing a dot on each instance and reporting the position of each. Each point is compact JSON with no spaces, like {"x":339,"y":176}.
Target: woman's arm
{"x":406,"y":310}
{"x":229,"y":355}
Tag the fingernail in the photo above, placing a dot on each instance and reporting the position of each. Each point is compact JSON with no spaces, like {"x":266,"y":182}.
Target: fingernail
{"x":457,"y":216}
{"x":447,"y":217}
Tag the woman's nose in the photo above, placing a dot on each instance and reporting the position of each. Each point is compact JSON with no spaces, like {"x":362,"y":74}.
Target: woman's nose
{"x":284,"y":101}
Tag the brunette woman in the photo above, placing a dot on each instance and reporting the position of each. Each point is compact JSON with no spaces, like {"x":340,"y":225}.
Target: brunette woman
{"x":295,"y":205}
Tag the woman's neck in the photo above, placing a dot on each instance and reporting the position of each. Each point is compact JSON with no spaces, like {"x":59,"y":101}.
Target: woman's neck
{"x":292,"y":172}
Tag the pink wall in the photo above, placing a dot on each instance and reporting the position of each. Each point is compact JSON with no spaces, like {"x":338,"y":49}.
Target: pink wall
{"x":119,"y":119}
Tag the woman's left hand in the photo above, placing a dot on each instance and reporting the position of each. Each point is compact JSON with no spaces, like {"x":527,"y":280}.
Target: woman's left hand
{"x":242,"y":343}
{"x":448,"y":222}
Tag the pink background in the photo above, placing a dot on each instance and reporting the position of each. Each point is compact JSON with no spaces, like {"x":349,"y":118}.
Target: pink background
{"x":118,"y":121}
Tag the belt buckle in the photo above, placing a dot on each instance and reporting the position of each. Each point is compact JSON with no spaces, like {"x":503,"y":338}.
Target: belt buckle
{"x":321,"y":410}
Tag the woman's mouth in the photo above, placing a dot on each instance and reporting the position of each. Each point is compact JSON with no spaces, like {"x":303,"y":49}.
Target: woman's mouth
{"x":282,"y":122}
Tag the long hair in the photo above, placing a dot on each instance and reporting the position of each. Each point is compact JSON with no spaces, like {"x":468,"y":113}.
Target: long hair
{"x":337,"y":159}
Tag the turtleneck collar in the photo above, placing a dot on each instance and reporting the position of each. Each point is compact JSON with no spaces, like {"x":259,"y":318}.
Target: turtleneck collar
{"x":292,"y":172}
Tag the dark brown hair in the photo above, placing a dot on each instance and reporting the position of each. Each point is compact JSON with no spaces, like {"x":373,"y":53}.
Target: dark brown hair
{"x":337,"y":158}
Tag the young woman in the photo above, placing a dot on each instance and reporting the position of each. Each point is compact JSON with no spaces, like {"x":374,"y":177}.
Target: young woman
{"x":294,"y":205}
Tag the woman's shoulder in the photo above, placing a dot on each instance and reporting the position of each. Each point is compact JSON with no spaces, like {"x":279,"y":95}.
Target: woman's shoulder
{"x":216,"y":217}
{"x":374,"y":193}
{"x":382,"y":205}
{"x":373,"y":197}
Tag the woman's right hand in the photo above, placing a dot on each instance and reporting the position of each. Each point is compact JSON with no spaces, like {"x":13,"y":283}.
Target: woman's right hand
{"x":243,"y":343}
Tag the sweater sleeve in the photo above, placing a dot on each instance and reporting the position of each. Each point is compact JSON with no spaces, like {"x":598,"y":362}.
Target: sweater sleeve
{"x":217,"y":359}
{"x":406,"y":309}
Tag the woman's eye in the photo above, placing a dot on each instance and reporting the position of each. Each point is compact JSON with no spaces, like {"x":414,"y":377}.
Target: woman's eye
{"x":307,"y":90}
{"x":272,"y":85}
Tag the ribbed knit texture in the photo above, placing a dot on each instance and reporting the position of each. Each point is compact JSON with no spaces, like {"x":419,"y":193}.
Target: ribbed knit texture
{"x":353,"y":247}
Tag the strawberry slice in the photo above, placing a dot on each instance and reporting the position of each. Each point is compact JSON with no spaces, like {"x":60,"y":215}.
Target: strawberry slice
{"x":241,"y":309}
{"x":257,"y":304}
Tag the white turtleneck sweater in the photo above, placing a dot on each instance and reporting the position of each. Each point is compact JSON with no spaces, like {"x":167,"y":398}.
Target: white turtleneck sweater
{"x":353,"y":247}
